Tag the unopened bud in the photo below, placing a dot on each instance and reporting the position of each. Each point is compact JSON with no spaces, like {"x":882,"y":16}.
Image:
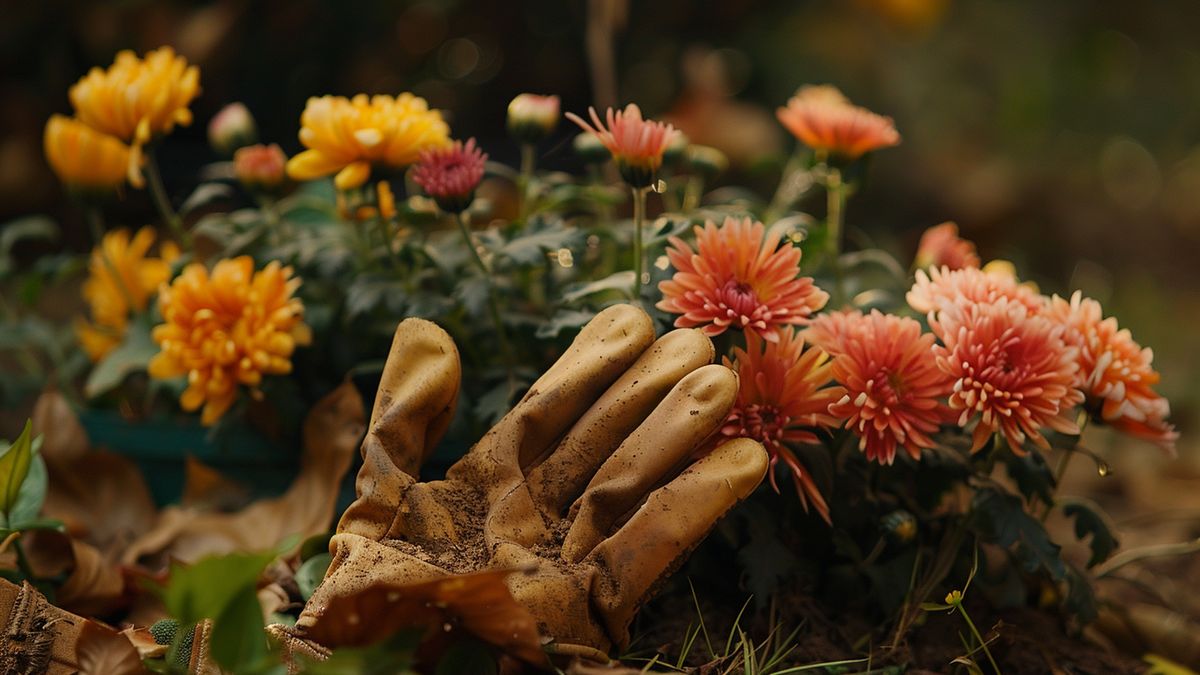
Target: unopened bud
{"x":590,"y":149}
{"x":676,"y":148}
{"x":260,"y":168}
{"x":531,"y":117}
{"x":232,"y":128}
{"x":706,"y":161}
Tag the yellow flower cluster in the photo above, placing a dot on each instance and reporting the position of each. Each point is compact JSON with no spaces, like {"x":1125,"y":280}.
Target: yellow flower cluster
{"x":121,"y":279}
{"x":347,"y":136}
{"x":122,"y":109}
{"x":227,"y":328}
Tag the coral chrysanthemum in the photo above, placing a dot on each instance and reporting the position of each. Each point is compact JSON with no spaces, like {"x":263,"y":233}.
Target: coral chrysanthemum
{"x":121,"y":280}
{"x":636,"y":144}
{"x":942,"y":247}
{"x":736,"y":278}
{"x":943,"y":287}
{"x":226,"y":328}
{"x":450,"y":175}
{"x":824,"y":120}
{"x":84,"y":159}
{"x":1010,"y":368}
{"x":783,"y":395}
{"x":346,"y":136}
{"x":137,"y":99}
{"x":894,"y":389}
{"x":1116,"y":374}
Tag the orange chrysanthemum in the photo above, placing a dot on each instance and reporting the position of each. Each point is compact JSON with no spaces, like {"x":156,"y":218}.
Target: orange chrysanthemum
{"x":226,"y":328}
{"x":824,"y":120}
{"x":347,"y":136}
{"x":121,"y":279}
{"x":894,"y":389}
{"x":1116,"y":374}
{"x":84,"y":159}
{"x":782,"y":398}
{"x":942,"y":247}
{"x":637,"y":145}
{"x":737,"y":279}
{"x":1009,"y":367}
{"x":943,"y":287}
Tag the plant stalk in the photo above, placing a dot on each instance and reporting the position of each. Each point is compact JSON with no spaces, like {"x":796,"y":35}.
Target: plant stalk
{"x":162,"y":202}
{"x":493,"y":301}
{"x":639,"y":219}
{"x":835,"y":195}
{"x":525,"y":178}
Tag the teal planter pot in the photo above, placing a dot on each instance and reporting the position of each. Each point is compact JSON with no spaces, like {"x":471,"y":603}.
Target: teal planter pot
{"x":160,"y":448}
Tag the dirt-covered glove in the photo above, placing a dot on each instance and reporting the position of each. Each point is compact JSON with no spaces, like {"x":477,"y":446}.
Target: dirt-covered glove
{"x":589,"y":480}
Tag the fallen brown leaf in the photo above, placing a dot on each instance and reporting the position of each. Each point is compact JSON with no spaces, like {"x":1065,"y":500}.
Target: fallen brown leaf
{"x":143,"y":641}
{"x":93,"y":585}
{"x":101,"y":650}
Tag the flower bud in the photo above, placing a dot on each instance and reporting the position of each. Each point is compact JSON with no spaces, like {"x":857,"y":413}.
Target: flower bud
{"x":259,"y":168}
{"x":531,"y":117}
{"x":232,"y":128}
{"x":706,"y":161}
{"x":450,"y":175}
{"x":590,"y":149}
{"x":676,"y":148}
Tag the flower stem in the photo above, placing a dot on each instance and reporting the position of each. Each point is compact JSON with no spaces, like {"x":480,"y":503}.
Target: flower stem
{"x":528,"y":161}
{"x":835,"y":195}
{"x":162,"y":202}
{"x":493,"y":302}
{"x":975,"y":631}
{"x":639,"y":219}
{"x":788,"y":190}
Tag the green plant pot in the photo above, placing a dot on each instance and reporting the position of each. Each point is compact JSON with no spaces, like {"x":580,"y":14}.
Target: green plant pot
{"x":160,"y":448}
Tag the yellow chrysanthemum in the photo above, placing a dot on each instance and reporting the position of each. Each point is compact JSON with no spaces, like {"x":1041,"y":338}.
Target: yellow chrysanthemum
{"x":85,"y":159}
{"x":121,"y":280}
{"x":228,"y":327}
{"x":346,"y":136}
{"x":137,"y":99}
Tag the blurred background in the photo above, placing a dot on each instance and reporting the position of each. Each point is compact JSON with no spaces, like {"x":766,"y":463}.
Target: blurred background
{"x":1064,"y":136}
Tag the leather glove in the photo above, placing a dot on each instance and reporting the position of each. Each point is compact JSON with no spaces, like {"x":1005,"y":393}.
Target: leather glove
{"x":588,"y":481}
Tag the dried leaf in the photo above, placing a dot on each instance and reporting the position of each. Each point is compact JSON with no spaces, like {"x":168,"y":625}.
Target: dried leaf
{"x":208,"y":489}
{"x":332,"y":432}
{"x":478,"y":603}
{"x":143,"y":641}
{"x":94,"y":586}
{"x":102,"y":499}
{"x":63,"y":437}
{"x":101,"y":650}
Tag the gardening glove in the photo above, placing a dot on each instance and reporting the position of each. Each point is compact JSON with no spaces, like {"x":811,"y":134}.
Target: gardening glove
{"x":588,"y":481}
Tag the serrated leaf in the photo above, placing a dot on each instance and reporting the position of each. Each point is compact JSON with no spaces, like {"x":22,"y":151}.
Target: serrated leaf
{"x":473,"y":292}
{"x":14,"y":467}
{"x":132,"y":355}
{"x":1032,"y":476}
{"x":530,"y":249}
{"x":311,"y":573}
{"x":205,"y":193}
{"x":569,"y":320}
{"x":619,"y":281}
{"x":1090,"y":522}
{"x":1001,"y":519}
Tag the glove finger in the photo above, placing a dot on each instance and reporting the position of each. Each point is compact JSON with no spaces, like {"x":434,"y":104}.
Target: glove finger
{"x":415,"y":404}
{"x":666,"y":438}
{"x":561,"y":477}
{"x":674,"y":519}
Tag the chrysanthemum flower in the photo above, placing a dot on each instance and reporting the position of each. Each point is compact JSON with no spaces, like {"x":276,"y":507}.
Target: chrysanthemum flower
{"x":636,"y":144}
{"x":1010,"y":368}
{"x":942,"y":247}
{"x":1116,"y":374}
{"x":84,"y":159}
{"x":783,"y":396}
{"x":893,"y":386}
{"x":121,"y":279}
{"x":226,"y":328}
{"x":821,"y":118}
{"x":942,"y":287}
{"x":450,"y":175}
{"x":346,"y":136}
{"x":137,"y":99}
{"x":737,"y":279}
{"x":531,"y":117}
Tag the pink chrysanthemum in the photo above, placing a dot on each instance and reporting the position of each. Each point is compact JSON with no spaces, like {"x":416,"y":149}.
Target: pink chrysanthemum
{"x":1115,"y":372}
{"x":821,"y":118}
{"x":942,"y":247}
{"x":893,"y":386}
{"x":1009,"y":367}
{"x":451,"y":174}
{"x":737,"y":279}
{"x":943,"y":287}
{"x":783,"y":396}
{"x":636,"y":144}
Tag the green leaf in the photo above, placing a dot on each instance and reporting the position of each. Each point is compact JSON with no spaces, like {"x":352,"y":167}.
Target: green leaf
{"x":21,"y":229}
{"x":530,"y":249}
{"x":1032,"y":476}
{"x":618,"y":281}
{"x":1001,"y":519}
{"x":14,"y":467}
{"x":31,"y":495}
{"x":467,"y":656}
{"x":1090,"y":521}
{"x":473,"y":292}
{"x":132,"y":355}
{"x":1081,"y":597}
{"x":311,"y":573}
{"x":204,"y":194}
{"x":395,"y":656}
{"x":569,"y":320}
{"x":223,"y":589}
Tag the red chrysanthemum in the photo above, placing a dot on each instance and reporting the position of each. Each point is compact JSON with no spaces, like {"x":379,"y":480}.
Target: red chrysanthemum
{"x":1116,"y":374}
{"x":942,"y":247}
{"x":783,"y":396}
{"x":451,"y":174}
{"x":737,"y":279}
{"x":894,"y":389}
{"x":943,"y":287}
{"x":1010,"y":368}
